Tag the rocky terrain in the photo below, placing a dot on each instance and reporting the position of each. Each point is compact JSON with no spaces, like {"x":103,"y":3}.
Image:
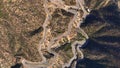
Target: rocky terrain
{"x":21,"y":29}
{"x":103,"y":48}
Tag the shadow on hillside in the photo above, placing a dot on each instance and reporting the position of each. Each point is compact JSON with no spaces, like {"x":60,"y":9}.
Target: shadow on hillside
{"x":94,"y":46}
{"x":111,"y":39}
{"x":16,"y":66}
{"x":109,"y":49}
{"x":109,"y":14}
{"x":88,"y":63}
{"x":107,"y":44}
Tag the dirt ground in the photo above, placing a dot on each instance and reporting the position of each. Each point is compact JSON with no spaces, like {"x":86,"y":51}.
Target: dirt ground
{"x":21,"y":26}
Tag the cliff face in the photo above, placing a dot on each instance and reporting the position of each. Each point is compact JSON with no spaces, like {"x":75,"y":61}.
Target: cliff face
{"x":21,"y":26}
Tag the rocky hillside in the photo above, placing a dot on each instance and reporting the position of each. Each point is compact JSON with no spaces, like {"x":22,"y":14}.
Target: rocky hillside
{"x":103,"y":48}
{"x":21,"y":26}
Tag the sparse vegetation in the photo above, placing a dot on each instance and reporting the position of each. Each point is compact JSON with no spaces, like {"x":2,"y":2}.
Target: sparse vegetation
{"x":21,"y":30}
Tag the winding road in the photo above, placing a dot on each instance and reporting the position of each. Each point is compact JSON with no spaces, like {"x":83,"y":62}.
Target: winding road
{"x":75,"y":48}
